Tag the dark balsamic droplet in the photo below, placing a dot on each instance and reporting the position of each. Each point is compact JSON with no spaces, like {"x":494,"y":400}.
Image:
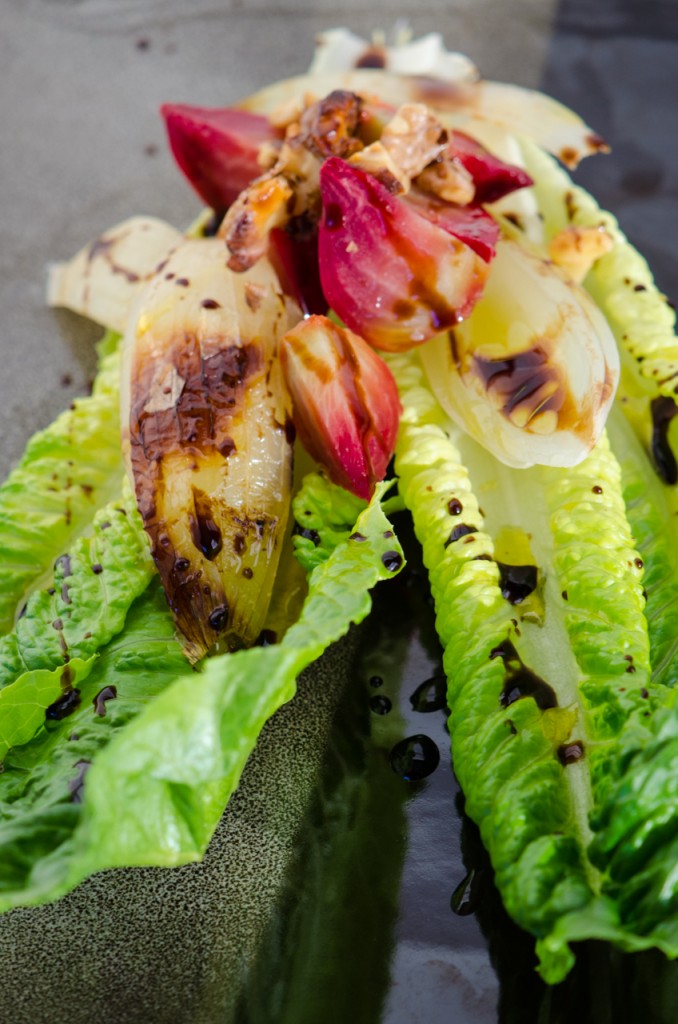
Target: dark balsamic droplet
{"x":210,"y":304}
{"x":358,"y":537}
{"x":63,"y":563}
{"x":64,"y":706}
{"x":431,"y":695}
{"x":520,"y":681}
{"x":97,"y":568}
{"x":76,"y":786}
{"x":248,"y":573}
{"x":227,"y":447}
{"x":181,"y":564}
{"x":211,"y":227}
{"x":205,"y":534}
{"x":455,"y":507}
{"x":414,"y":758}
{"x":218,"y":618}
{"x":460,"y":531}
{"x":517,"y":582}
{"x":99,"y":702}
{"x":290,"y":432}
{"x":372,"y":57}
{"x":466,"y":896}
{"x":375,"y":681}
{"x":380,"y":704}
{"x":266,"y":638}
{"x":392,"y":560}
{"x":569,"y":753}
{"x":663,"y":410}
{"x":312,"y":535}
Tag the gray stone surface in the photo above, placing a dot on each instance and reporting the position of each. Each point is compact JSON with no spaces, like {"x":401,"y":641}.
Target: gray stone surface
{"x":82,"y":147}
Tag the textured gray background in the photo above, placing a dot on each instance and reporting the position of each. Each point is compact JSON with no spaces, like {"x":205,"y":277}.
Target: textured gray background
{"x":82,"y":147}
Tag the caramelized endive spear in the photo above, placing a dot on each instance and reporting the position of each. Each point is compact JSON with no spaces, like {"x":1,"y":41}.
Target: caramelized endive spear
{"x":208,"y":448}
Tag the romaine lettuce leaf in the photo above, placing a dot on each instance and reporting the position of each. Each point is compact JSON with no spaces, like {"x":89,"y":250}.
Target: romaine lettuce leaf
{"x":26,"y":703}
{"x":540,"y":710}
{"x":41,"y":787}
{"x":93,"y":587}
{"x":324,"y":515}
{"x":68,"y":471}
{"x":162,"y":769}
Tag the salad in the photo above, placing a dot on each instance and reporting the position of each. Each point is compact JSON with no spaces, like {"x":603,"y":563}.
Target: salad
{"x":507,"y":311}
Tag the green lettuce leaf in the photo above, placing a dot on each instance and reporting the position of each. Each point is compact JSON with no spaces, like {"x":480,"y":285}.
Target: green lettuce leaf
{"x":540,"y":709}
{"x":324,"y":516}
{"x":171,"y":746}
{"x":41,"y":787}
{"x":93,"y":587}
{"x":24,"y":704}
{"x":68,"y":471}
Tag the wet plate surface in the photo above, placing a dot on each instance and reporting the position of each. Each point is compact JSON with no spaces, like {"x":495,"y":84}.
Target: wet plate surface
{"x":336,"y":889}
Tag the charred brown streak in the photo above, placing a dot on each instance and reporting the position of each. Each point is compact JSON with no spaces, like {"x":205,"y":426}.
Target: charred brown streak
{"x":211,"y":393}
{"x":423,"y":292}
{"x":663,"y":410}
{"x":101,"y":248}
{"x":353,"y":389}
{"x":518,"y":379}
{"x":198,"y":422}
{"x":520,"y":681}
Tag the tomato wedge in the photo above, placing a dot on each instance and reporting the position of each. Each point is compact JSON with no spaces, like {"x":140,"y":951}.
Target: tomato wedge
{"x":492,"y":177}
{"x":345,"y":402}
{"x":216,"y":148}
{"x":396,"y":275}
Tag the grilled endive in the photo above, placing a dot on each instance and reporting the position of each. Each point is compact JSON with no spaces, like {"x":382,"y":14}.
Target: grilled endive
{"x":206,"y":438}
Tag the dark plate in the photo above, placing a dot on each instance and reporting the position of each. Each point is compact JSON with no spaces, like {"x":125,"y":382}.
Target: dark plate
{"x":327,"y":893}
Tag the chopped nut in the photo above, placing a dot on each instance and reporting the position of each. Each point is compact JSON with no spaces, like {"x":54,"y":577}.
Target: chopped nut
{"x":414,"y":138}
{"x":449,"y":180}
{"x":261,"y":207}
{"x":377,"y":161}
{"x":576,"y":249}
